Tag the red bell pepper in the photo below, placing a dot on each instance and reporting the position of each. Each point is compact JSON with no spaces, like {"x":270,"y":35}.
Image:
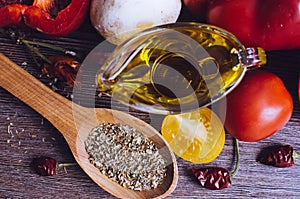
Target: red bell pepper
{"x":11,"y":13}
{"x":270,"y":24}
{"x":66,"y":21}
{"x":48,"y":16}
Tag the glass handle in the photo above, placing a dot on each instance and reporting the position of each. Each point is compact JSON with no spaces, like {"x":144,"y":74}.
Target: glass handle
{"x":256,"y":57}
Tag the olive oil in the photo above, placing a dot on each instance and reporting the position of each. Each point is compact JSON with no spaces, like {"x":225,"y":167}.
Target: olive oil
{"x":173,"y":70}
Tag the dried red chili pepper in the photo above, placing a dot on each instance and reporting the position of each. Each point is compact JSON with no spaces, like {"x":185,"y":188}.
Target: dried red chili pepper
{"x":278,"y":156}
{"x":45,"y":166}
{"x":214,"y":178}
{"x":63,"y":68}
{"x":52,"y":17}
{"x":217,"y":178}
{"x":67,"y":20}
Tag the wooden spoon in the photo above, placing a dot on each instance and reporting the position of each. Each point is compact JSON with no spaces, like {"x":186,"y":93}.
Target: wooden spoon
{"x":75,"y":122}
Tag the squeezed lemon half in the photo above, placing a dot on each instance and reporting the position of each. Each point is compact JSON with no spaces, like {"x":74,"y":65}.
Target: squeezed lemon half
{"x":197,"y":136}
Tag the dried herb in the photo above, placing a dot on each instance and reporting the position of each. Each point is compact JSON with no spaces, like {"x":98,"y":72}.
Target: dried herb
{"x":33,"y":47}
{"x":278,"y":156}
{"x":216,"y":178}
{"x":126,"y":156}
{"x":19,"y":37}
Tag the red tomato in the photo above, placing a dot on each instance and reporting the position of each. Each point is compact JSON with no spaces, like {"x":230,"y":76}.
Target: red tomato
{"x":258,"y":107}
{"x":270,"y":24}
{"x":198,"y":8}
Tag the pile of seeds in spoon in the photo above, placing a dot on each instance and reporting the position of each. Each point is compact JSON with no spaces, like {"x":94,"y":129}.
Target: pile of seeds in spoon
{"x":126,"y":156}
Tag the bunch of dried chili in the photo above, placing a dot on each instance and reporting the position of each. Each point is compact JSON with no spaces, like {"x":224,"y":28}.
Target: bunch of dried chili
{"x":216,"y":178}
{"x":61,"y":67}
{"x":51,"y":17}
{"x":278,"y":156}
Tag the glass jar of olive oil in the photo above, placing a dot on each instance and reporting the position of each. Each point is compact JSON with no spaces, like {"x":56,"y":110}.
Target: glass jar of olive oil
{"x":176,"y":67}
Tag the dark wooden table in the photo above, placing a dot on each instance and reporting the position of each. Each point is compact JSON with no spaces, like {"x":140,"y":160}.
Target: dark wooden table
{"x":33,"y":136}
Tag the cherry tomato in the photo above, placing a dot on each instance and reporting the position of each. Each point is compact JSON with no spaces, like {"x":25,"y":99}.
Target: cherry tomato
{"x":258,"y":107}
{"x":198,"y":8}
{"x":197,"y":136}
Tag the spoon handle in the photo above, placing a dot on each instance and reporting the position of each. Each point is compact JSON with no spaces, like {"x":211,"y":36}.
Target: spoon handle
{"x":34,"y":93}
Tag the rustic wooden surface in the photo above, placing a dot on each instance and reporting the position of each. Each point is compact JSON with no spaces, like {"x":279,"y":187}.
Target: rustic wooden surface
{"x":38,"y":137}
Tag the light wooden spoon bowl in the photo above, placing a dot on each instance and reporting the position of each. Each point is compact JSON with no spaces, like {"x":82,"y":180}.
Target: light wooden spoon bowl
{"x":75,"y":122}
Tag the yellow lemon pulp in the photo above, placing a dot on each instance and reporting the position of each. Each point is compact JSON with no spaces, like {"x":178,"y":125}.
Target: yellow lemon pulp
{"x":197,"y":136}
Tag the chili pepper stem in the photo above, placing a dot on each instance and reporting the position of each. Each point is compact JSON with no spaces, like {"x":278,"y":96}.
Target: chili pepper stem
{"x":295,"y":155}
{"x":237,"y":162}
{"x":64,"y":166}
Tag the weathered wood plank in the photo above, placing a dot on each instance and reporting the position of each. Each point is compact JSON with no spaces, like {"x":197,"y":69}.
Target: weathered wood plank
{"x":18,"y":180}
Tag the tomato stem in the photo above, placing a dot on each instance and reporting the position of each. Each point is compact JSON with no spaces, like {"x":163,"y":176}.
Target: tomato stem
{"x":237,"y":162}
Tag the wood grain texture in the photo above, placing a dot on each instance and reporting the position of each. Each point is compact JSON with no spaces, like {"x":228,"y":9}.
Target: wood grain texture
{"x":39,"y":137}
